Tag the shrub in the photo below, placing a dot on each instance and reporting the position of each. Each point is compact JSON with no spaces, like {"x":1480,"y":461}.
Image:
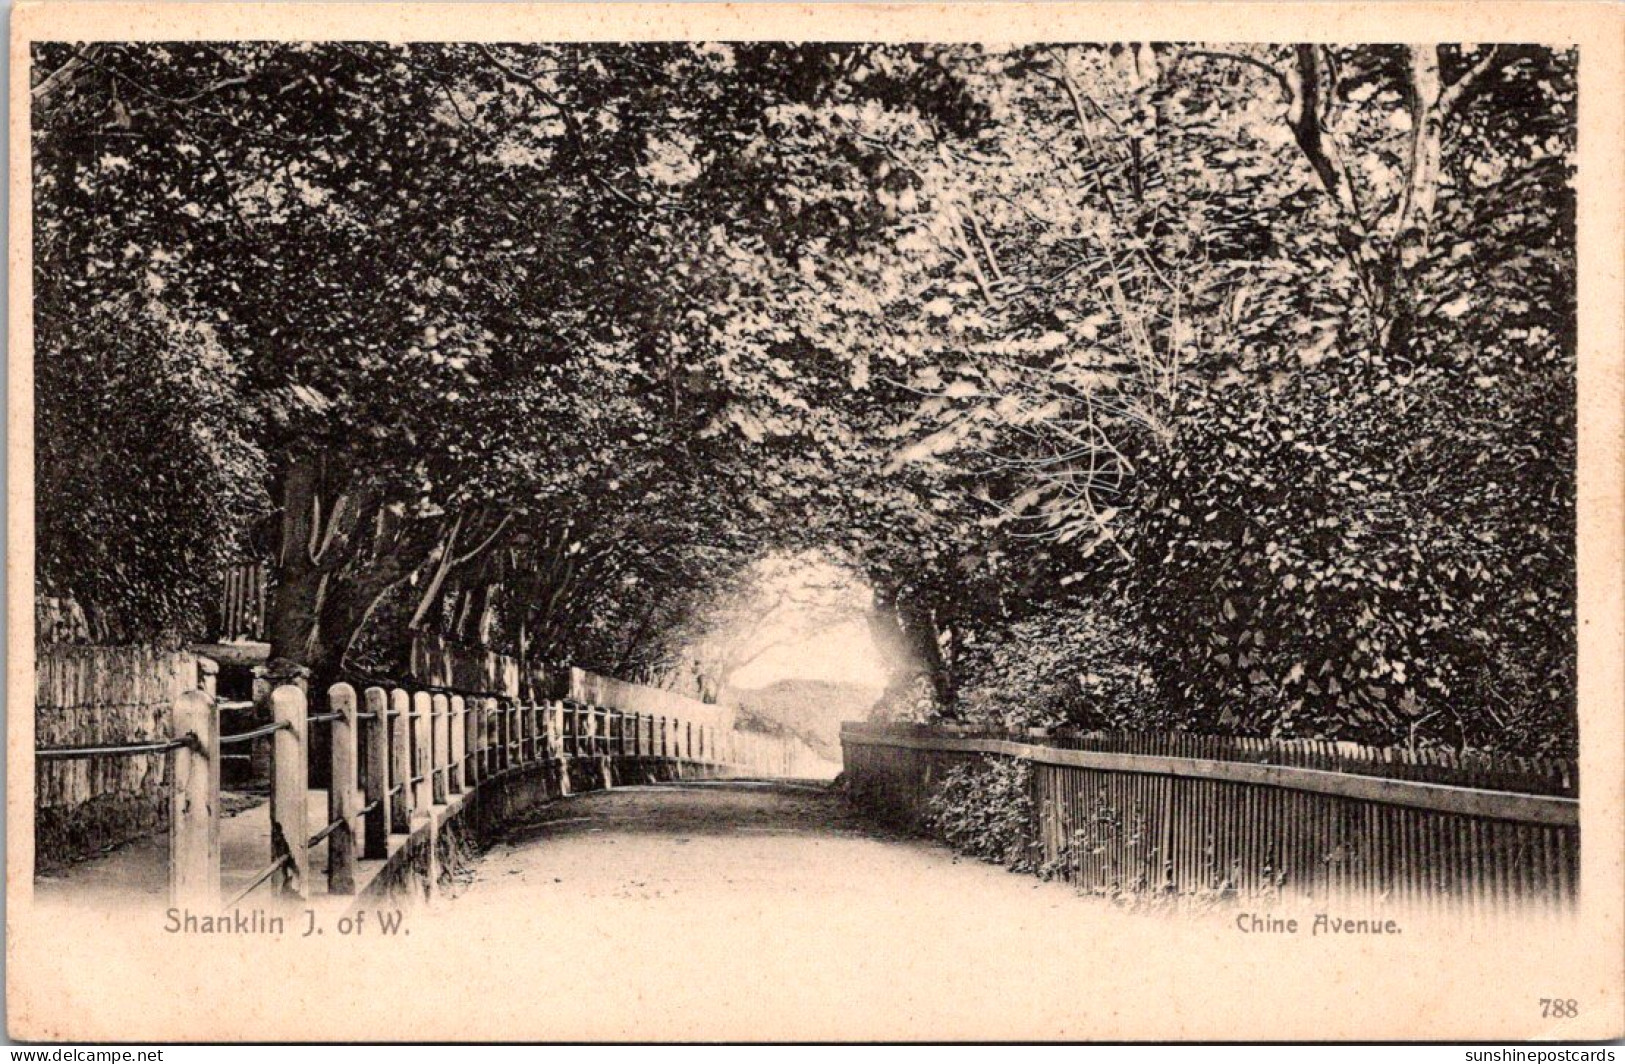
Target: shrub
{"x":145,"y":474}
{"x":986,"y":811}
{"x":1076,"y":663}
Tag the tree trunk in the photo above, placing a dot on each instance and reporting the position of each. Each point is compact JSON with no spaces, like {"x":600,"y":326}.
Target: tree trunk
{"x":909,"y":642}
{"x":1414,"y":228}
{"x":302,"y":578}
{"x":925,"y":642}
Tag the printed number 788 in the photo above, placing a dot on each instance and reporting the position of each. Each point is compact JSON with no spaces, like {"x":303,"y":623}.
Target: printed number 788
{"x":1559,"y":1008}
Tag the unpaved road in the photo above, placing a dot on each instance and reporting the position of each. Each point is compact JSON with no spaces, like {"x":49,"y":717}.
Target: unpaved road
{"x":745,"y":840}
{"x":770,"y":910}
{"x":749,"y":911}
{"x":754,"y":845}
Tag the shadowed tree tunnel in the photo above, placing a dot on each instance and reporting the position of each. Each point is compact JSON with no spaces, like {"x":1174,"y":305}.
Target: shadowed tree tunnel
{"x":1131,"y":386}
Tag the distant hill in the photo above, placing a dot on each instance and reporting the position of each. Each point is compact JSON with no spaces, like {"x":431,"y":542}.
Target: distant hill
{"x":812,"y":709}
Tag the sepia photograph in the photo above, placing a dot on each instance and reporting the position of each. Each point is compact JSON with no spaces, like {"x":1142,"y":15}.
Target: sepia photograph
{"x":863,"y":524}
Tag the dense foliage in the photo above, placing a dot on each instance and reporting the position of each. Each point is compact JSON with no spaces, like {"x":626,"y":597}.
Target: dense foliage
{"x":985,"y":810}
{"x":1145,"y":386}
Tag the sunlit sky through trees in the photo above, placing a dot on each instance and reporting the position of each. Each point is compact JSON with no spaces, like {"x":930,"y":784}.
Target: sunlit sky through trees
{"x":789,"y":617}
{"x":843,"y":654}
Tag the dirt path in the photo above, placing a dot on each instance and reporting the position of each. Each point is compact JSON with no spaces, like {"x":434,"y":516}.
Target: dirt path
{"x":748,"y":910}
{"x":729,"y":911}
{"x":712,"y":840}
{"x":716,"y":910}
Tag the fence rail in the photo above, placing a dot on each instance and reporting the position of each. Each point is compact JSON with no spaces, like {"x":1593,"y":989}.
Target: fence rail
{"x":396,"y":757}
{"x":1114,"y":821}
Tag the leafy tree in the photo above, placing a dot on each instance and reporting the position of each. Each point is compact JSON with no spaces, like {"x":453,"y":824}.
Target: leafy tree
{"x":1145,"y":385}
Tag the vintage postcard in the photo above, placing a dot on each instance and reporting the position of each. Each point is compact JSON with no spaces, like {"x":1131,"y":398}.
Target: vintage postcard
{"x":757,"y":522}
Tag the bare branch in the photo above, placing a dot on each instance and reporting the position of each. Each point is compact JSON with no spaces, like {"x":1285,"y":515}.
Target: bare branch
{"x":341,"y":506}
{"x":62,"y":74}
{"x":1497,"y":56}
{"x":507,"y":519}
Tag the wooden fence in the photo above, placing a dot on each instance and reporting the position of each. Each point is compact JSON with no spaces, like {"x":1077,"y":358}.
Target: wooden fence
{"x":1190,"y":814}
{"x":402,"y":761}
{"x":599,"y":690}
{"x":243,"y":594}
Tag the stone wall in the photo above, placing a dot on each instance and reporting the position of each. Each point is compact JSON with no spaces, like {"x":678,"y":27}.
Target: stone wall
{"x":102,"y":696}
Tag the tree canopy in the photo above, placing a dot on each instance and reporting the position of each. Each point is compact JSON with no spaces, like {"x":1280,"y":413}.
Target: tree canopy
{"x":1221,"y":388}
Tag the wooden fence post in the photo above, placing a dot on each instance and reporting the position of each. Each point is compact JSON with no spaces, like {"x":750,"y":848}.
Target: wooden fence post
{"x":490,"y":756}
{"x":498,"y":732}
{"x":504,"y":733}
{"x":510,"y":741}
{"x":527,"y":734}
{"x":439,"y":746}
{"x":521,"y":733}
{"x":456,"y":734}
{"x":259,"y":754}
{"x":516,"y":732}
{"x":400,"y":760}
{"x":504,"y":712}
{"x":194,"y":805}
{"x":375,"y":774}
{"x":419,"y":780}
{"x":342,"y":801}
{"x":482,"y":737}
{"x":208,"y":676}
{"x":473,"y":770}
{"x":488,"y":738}
{"x":290,"y":821}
